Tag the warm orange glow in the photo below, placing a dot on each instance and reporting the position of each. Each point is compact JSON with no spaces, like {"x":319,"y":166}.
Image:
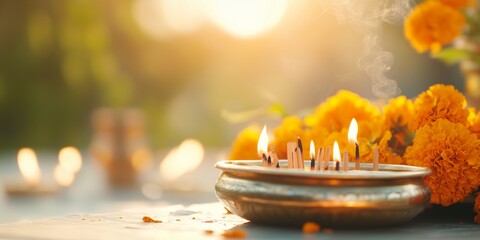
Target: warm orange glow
{"x":262,"y":145}
{"x":70,"y":159}
{"x":247,"y":18}
{"x":183,"y":16}
{"x":336,"y":152}
{"x":63,"y":176}
{"x":28,"y":164}
{"x":141,"y":159}
{"x":148,"y":15}
{"x":353,"y":131}
{"x":312,"y":149}
{"x":183,"y":159}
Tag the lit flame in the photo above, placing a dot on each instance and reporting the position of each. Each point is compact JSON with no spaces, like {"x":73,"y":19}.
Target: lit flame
{"x":183,"y":159}
{"x":70,"y":159}
{"x":262,"y":145}
{"x":247,"y":18}
{"x":336,"y":152}
{"x":28,"y":164}
{"x":63,"y":176}
{"x":353,"y":131}
{"x":312,"y":149}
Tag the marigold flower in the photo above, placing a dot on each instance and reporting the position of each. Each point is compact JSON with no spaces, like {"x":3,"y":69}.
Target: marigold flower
{"x":342,"y":139}
{"x":336,"y":113}
{"x":459,"y":4}
{"x":245,"y":145}
{"x":452,"y":152}
{"x":366,"y":143}
{"x":397,"y":114}
{"x":432,"y":24}
{"x":386,"y":153}
{"x":288,"y":131}
{"x":439,"y":102}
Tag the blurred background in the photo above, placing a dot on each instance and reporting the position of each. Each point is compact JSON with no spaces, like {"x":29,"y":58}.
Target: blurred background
{"x":190,"y":66}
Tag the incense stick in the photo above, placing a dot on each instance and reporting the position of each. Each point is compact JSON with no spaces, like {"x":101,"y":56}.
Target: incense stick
{"x":345,"y":161}
{"x":375,"y":159}
{"x":357,"y":157}
{"x":290,"y":149}
{"x":327,"y":158}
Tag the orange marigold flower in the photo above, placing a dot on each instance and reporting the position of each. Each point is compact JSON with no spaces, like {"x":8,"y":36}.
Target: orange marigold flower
{"x":432,"y":24}
{"x":386,"y":153}
{"x":366,"y":145}
{"x":452,"y":152}
{"x":476,"y":208}
{"x":336,"y":113}
{"x":397,"y":114}
{"x":342,"y":139}
{"x":245,"y":145}
{"x":439,"y":101}
{"x":288,"y":131}
{"x":459,"y":4}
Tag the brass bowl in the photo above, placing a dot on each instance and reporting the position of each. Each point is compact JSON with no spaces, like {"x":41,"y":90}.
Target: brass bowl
{"x":395,"y":194}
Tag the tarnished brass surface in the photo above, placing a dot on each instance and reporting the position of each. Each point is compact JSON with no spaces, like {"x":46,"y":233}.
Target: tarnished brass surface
{"x":282,"y":196}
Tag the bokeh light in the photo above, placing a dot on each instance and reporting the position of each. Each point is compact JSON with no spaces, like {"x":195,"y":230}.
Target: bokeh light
{"x":247,"y":18}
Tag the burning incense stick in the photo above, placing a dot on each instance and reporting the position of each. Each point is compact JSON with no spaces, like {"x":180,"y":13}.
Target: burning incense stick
{"x":320,"y":161}
{"x":299,"y":142}
{"x":312,"y":155}
{"x":275,"y":161}
{"x":357,"y":157}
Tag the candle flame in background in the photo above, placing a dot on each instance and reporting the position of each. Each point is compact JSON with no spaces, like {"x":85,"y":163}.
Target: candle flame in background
{"x":353,"y":131}
{"x":63,"y":176}
{"x":28,"y":165}
{"x":312,"y":149}
{"x":69,"y":163}
{"x":182,"y":159}
{"x":70,"y":159}
{"x":247,"y":18}
{"x":336,"y":152}
{"x":262,"y":145}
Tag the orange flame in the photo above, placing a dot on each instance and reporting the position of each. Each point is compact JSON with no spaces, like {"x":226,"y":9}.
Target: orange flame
{"x":312,"y":149}
{"x":336,"y":152}
{"x":353,"y":131}
{"x":262,"y":145}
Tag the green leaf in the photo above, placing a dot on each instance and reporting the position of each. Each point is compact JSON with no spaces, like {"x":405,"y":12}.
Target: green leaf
{"x":452,"y":55}
{"x":277,"y":109}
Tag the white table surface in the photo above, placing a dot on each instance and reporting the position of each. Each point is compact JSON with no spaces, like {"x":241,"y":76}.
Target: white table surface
{"x":91,"y":209}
